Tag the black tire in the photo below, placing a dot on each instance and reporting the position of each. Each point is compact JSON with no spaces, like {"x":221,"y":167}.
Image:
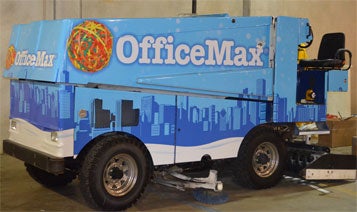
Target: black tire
{"x":48,"y":179}
{"x":261,"y":159}
{"x":115,"y":172}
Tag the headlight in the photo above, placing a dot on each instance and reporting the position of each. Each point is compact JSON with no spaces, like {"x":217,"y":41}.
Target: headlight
{"x":13,"y":124}
{"x":54,"y":136}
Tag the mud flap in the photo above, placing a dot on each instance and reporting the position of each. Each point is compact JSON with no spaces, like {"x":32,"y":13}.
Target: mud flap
{"x":331,"y":167}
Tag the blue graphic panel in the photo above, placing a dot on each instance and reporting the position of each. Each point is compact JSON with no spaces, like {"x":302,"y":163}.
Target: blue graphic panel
{"x":287,"y":107}
{"x":204,"y":120}
{"x":337,"y":81}
{"x":148,"y":50}
{"x":229,"y":83}
{"x":299,"y":113}
{"x":49,"y":107}
{"x":159,"y":118}
{"x":131,"y":51}
{"x":149,"y":117}
{"x":38,"y":49}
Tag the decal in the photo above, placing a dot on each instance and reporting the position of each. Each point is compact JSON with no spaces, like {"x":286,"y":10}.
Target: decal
{"x":25,"y":58}
{"x":89,"y":46}
{"x":47,"y":106}
{"x":10,"y":57}
{"x":38,"y":59}
{"x":163,"y":51}
{"x":166,"y":119}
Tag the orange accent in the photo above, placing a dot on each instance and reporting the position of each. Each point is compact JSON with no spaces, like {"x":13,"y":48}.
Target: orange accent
{"x":10,"y":57}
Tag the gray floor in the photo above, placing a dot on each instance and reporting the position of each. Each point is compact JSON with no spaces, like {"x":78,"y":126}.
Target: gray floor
{"x":20,"y":193}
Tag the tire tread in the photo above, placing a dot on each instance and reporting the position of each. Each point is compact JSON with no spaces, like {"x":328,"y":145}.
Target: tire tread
{"x":241,"y":172}
{"x":92,"y":158}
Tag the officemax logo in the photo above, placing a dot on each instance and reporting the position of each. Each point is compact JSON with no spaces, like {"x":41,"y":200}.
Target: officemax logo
{"x":163,"y":50}
{"x":39,"y":59}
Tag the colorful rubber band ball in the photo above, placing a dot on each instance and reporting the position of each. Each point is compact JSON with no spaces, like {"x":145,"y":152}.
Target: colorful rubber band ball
{"x":89,"y":46}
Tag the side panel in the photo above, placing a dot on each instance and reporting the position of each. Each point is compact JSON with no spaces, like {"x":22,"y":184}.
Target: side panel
{"x":182,"y":54}
{"x":47,"y":106}
{"x":173,"y":54}
{"x":290,"y":32}
{"x":150,"y":117}
{"x":230,"y":83}
{"x":36,"y":50}
{"x":174,"y":128}
{"x":337,"y":81}
{"x":215,"y":127}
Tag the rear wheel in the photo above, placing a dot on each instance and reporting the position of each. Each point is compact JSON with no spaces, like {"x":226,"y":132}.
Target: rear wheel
{"x":115,"y":173}
{"x":265,"y":159}
{"x":261,"y":159}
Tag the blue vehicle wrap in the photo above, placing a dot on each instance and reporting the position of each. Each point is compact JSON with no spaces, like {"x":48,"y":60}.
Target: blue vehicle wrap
{"x":185,"y":87}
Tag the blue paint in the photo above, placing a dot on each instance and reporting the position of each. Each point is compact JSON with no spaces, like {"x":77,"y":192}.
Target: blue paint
{"x":172,"y":81}
{"x":193,"y":121}
{"x":49,"y":107}
{"x":337,"y":81}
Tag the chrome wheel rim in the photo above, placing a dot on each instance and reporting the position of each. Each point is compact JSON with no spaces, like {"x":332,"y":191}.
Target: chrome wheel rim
{"x":120,"y":175}
{"x":265,"y":159}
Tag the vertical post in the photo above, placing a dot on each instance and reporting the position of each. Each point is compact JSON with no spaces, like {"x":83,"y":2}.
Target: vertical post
{"x":80,"y":9}
{"x":246,"y":7}
{"x":194,"y":6}
{"x":54,"y":10}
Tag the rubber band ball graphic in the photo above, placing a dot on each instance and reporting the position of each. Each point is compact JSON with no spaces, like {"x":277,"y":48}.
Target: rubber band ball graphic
{"x":89,"y":46}
{"x":10,"y":57}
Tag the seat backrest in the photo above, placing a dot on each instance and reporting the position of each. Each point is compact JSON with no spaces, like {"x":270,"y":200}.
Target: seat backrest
{"x":329,"y":45}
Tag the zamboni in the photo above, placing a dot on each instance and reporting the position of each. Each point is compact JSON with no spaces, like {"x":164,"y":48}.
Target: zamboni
{"x":117,"y":102}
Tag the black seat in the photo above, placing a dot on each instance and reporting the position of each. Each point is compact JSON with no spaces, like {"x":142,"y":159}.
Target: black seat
{"x":331,"y":54}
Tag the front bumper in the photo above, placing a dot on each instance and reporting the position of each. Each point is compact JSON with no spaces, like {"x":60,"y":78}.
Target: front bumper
{"x":28,"y":135}
{"x":39,"y":159}
{"x":46,"y":150}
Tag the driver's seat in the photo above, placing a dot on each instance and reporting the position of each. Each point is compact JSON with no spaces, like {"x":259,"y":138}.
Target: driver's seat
{"x":331,"y":54}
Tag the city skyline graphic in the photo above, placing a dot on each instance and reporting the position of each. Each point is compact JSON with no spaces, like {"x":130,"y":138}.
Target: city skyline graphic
{"x":195,"y":120}
{"x":185,"y":121}
{"x":47,"y":106}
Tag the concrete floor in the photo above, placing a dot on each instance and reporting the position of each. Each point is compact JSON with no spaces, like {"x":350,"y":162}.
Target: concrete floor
{"x":19,"y":192}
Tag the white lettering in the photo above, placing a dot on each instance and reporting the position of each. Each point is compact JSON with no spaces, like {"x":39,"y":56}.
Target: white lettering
{"x":241,"y":57}
{"x":170,"y":50}
{"x":197,"y":55}
{"x":32,"y":60}
{"x":163,"y":50}
{"x":178,"y":54}
{"x":50,"y":62}
{"x":158,"y":45}
{"x":17,"y":58}
{"x":145,"y":45}
{"x":120,"y":48}
{"x":218,"y":54}
{"x":255,"y":61}
{"x":40,"y":59}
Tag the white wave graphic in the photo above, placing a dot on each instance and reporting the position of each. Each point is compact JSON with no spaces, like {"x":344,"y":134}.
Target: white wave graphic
{"x":165,"y":154}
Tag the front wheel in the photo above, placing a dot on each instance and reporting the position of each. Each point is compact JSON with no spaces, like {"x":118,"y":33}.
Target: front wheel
{"x":261,"y":159}
{"x":115,"y":173}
